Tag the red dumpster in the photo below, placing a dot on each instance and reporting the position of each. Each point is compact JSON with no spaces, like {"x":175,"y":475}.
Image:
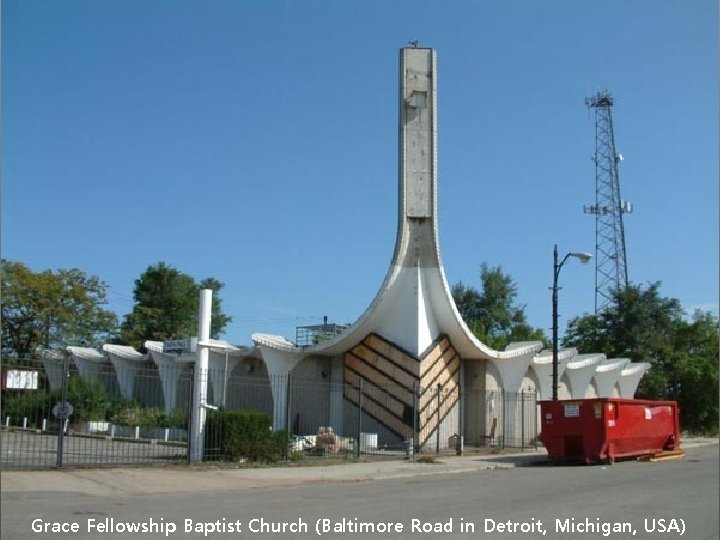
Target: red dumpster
{"x":606,"y":429}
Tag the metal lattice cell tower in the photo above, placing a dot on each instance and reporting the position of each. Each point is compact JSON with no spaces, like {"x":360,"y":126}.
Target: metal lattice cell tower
{"x":610,"y":256}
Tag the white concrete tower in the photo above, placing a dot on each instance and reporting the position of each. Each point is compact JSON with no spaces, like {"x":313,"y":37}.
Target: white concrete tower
{"x":411,"y":323}
{"x":411,"y":335}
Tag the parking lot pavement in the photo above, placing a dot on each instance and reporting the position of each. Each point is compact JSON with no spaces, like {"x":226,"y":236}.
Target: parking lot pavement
{"x":205,"y":478}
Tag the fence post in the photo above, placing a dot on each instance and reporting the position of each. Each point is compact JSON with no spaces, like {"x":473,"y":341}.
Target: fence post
{"x":437,"y":428}
{"x":288,"y":399}
{"x":504,"y":426}
{"x":288,"y":410}
{"x":535,"y":417}
{"x":415,"y":437}
{"x":359,"y":423}
{"x":461,"y":414}
{"x":522,"y":419}
{"x":188,"y":426}
{"x":63,"y":400}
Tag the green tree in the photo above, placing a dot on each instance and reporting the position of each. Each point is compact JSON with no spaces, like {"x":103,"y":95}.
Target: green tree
{"x":52,"y":309}
{"x":166,"y":307}
{"x":644,"y":326}
{"x":492,"y":314}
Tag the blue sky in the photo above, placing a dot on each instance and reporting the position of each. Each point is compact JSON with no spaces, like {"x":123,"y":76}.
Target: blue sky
{"x":256,"y":142}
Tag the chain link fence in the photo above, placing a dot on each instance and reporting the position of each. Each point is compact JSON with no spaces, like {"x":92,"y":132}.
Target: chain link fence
{"x":77,"y":420}
{"x":55,"y":414}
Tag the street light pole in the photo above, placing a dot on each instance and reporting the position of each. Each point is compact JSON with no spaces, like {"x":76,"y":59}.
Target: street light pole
{"x":556,"y":271}
{"x":584,"y":258}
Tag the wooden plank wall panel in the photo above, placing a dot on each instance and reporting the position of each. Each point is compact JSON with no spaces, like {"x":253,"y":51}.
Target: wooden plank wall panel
{"x":390,"y":374}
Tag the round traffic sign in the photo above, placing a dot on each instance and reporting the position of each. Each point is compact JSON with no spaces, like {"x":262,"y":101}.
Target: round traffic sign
{"x":62,"y":409}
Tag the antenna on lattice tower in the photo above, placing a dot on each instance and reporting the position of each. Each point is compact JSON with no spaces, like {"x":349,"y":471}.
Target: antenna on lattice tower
{"x":610,"y":255}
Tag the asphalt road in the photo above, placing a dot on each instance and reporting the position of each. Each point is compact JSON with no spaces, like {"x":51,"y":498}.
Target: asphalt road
{"x":682,"y":492}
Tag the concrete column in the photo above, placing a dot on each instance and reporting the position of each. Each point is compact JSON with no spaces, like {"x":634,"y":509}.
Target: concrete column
{"x":336,"y":393}
{"x":279,"y":364}
{"x":197,"y":431}
{"x":512,"y":371}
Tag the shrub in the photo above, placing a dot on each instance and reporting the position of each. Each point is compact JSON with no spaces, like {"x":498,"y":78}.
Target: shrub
{"x":136,"y":415}
{"x":33,"y":405}
{"x":88,"y":398}
{"x":234,"y":435}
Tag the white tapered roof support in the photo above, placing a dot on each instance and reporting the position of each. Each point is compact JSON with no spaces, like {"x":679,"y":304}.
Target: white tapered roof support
{"x":542,"y":364}
{"x":607,"y":375}
{"x":580,"y":372}
{"x":630,"y":378}
{"x":126,"y":361}
{"x":89,"y":362}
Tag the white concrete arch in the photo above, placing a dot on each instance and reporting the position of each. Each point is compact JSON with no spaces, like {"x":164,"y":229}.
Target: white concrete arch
{"x":564,"y":388}
{"x":591,"y":392}
{"x":530,"y":381}
{"x":493,"y":379}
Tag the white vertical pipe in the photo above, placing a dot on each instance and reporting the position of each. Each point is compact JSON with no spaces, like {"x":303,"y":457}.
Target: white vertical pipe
{"x":197,"y":441}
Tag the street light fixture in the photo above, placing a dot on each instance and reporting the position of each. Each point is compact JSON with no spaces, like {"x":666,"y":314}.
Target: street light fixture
{"x":583,"y":258}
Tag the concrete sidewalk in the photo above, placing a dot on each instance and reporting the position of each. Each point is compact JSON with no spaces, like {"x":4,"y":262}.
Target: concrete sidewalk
{"x":158,"y":481}
{"x":206,"y":478}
